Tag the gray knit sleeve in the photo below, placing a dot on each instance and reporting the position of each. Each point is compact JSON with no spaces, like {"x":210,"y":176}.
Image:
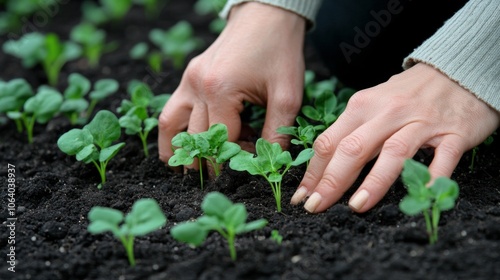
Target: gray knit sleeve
{"x":467,"y":49}
{"x":305,"y":8}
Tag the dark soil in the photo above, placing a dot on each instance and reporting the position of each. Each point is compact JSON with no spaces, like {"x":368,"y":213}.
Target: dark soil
{"x":54,"y":193}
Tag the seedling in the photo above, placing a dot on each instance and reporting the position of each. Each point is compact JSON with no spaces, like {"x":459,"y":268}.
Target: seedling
{"x":176,"y":43}
{"x":39,"y":108}
{"x":75,"y":107}
{"x":271,"y":162}
{"x":13,"y":95}
{"x":93,"y":42}
{"x":93,"y":142}
{"x":47,"y":50}
{"x":146,"y":216}
{"x":325,"y":111}
{"x":153,"y":58}
{"x":486,"y":142}
{"x":304,"y":133}
{"x":221,"y":215}
{"x":276,"y":236}
{"x":137,"y":119}
{"x":430,"y":201}
{"x":116,"y":10}
{"x":211,"y":145}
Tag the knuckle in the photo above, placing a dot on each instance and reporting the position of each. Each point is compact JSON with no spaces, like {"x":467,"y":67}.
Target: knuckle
{"x":212,"y":83}
{"x":323,"y":146}
{"x":330,"y":182}
{"x":450,"y":151}
{"x":396,"y":147}
{"x":357,"y":102}
{"x":351,"y":146}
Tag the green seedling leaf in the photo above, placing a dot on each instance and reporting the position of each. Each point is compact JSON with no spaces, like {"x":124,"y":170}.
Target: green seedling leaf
{"x":103,"y":88}
{"x":146,"y":216}
{"x":93,"y":142}
{"x":176,"y":43}
{"x":271,"y":162}
{"x":104,"y":128}
{"x":430,"y":201}
{"x":215,"y":204}
{"x":13,"y":95}
{"x":139,"y":113}
{"x":139,"y":50}
{"x":221,"y":215}
{"x":211,"y":145}
{"x":92,"y":40}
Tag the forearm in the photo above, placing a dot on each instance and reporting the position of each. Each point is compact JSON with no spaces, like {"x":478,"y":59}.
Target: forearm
{"x":467,"y":50}
{"x":304,"y":8}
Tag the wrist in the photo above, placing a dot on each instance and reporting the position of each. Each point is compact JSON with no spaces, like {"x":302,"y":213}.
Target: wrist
{"x":267,"y":18}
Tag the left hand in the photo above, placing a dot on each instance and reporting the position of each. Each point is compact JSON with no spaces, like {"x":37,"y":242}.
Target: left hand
{"x":420,"y":107}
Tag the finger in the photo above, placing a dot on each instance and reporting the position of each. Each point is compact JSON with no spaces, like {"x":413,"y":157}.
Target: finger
{"x":198,"y":122}
{"x":402,"y":145}
{"x":227,"y":113}
{"x":352,"y":153}
{"x":282,"y":107}
{"x":173,"y":119}
{"x":446,"y":156}
{"x":324,"y":148}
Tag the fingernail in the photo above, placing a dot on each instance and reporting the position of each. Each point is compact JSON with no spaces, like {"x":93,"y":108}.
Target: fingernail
{"x":313,"y":202}
{"x":299,"y":195}
{"x":358,"y":201}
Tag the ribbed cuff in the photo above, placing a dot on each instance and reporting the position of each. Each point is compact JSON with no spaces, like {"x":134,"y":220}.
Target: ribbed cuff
{"x":467,"y":49}
{"x":306,"y":8}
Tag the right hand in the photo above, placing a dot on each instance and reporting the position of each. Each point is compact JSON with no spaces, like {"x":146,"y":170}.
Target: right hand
{"x":258,"y":58}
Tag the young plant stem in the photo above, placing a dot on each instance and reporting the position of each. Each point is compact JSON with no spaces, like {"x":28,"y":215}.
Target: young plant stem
{"x":428,"y":225}
{"x":93,"y":102}
{"x":215,"y":166}
{"x":128,"y":243}
{"x":19,"y":125}
{"x":276,"y":187}
{"x":229,"y":236}
{"x":435,"y":222}
{"x":144,"y":136}
{"x":29,"y":123}
{"x":200,"y":166}
{"x":101,"y":167}
{"x":52,"y":71}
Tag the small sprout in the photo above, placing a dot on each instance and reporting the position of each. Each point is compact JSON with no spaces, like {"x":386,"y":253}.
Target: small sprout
{"x":116,"y":10}
{"x":154,"y":58}
{"x":140,"y":114}
{"x":75,"y":107}
{"x":211,"y":145}
{"x":304,"y":133}
{"x":271,"y":162}
{"x":152,"y":8}
{"x":40,"y":108}
{"x":93,"y":142}
{"x":221,"y":215}
{"x":93,"y":42}
{"x":47,"y":50}
{"x":176,"y":43}
{"x":146,"y":216}
{"x":486,"y":142}
{"x":93,"y":13}
{"x":13,"y":95}
{"x":430,"y":201}
{"x":326,"y":110}
{"x":276,"y":236}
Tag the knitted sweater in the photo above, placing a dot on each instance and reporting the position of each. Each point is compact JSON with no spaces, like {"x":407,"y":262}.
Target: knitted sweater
{"x":466,"y":48}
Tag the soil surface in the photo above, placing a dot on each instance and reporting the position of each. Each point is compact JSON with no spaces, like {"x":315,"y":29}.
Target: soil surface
{"x":54,"y":193}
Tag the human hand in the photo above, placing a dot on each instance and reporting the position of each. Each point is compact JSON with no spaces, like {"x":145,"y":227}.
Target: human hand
{"x":420,"y":107}
{"x":257,"y":58}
